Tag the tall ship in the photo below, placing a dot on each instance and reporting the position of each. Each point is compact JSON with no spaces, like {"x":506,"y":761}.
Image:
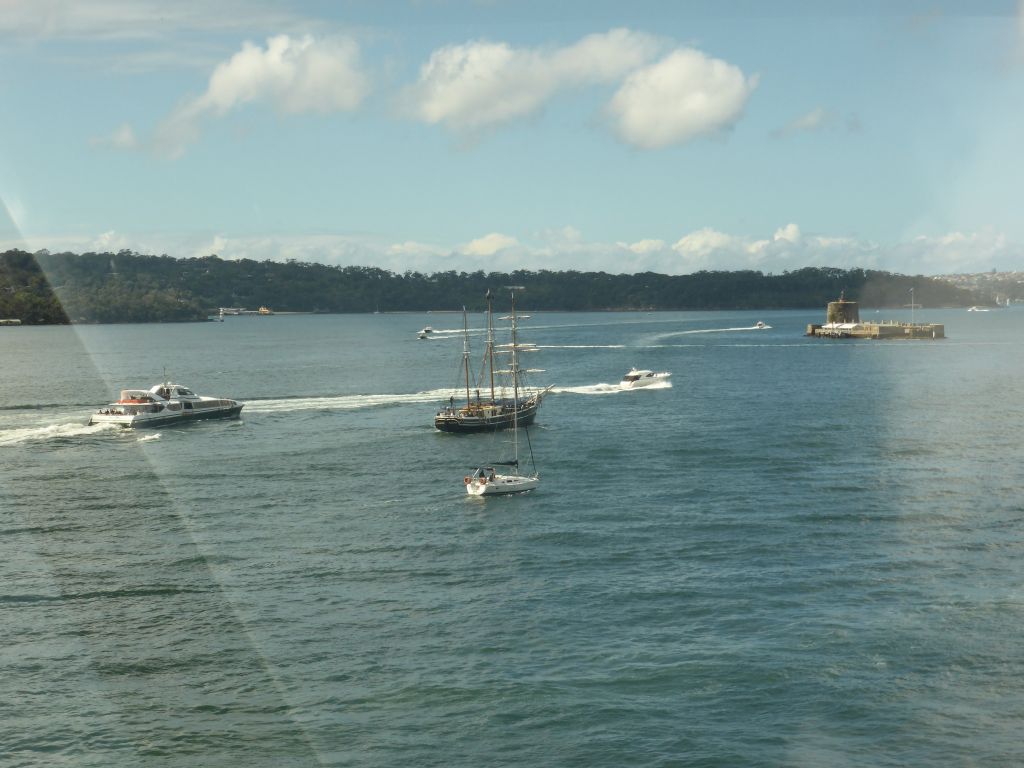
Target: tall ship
{"x":500,"y":397}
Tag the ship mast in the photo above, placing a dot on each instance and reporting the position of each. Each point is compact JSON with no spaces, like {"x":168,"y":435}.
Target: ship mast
{"x":515,"y":348}
{"x":515,"y":384}
{"x":490,"y":339}
{"x":465,"y":351}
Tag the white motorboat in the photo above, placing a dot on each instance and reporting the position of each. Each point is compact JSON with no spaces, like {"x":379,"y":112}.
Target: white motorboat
{"x":485,"y":481}
{"x":425,"y":332}
{"x":977,"y":309}
{"x":642,"y":378}
{"x":164,"y":404}
{"x":761,"y":325}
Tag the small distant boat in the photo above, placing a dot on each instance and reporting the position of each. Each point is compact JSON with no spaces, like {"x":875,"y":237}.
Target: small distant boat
{"x":264,"y":311}
{"x":425,"y":332}
{"x":977,"y":309}
{"x":486,"y":481}
{"x":761,"y":325}
{"x":164,"y":404}
{"x":637,"y":378}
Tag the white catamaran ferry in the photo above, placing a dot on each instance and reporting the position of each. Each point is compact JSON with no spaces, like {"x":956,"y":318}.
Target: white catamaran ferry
{"x":164,"y":404}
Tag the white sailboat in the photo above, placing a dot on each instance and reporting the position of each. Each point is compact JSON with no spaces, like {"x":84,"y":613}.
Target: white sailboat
{"x":488,"y":481}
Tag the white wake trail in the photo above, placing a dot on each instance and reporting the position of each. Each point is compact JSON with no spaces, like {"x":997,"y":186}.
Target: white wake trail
{"x":342,"y":402}
{"x":713,"y":330}
{"x":52,"y":432}
{"x":608,"y":389}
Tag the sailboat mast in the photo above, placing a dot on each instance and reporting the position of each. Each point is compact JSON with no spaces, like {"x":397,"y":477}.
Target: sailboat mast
{"x":465,"y":351}
{"x":515,"y":359}
{"x":515,"y":387}
{"x":490,"y":339}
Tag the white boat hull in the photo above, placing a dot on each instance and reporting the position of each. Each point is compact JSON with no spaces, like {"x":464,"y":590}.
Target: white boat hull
{"x":646,"y":381}
{"x":139,"y":420}
{"x":500,"y":485}
{"x":164,"y":404}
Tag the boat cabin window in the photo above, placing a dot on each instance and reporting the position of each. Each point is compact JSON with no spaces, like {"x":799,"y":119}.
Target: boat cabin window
{"x":632,"y":378}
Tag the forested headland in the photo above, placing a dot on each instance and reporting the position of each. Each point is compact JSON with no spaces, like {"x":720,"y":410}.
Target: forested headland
{"x":127,"y":287}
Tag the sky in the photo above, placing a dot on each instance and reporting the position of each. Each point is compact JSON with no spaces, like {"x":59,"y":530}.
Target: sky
{"x":429,"y":135}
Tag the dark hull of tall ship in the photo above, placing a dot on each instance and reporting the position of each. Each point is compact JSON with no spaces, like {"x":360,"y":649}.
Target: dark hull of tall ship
{"x":487,"y":418}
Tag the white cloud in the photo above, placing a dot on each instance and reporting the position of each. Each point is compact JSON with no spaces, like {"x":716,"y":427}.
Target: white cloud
{"x":123,"y":138}
{"x":704,"y":242}
{"x":488,"y":245}
{"x":110,"y":241}
{"x":790,"y":233}
{"x":684,"y":96}
{"x":292,"y":75}
{"x":482,"y":84}
{"x":412,"y":248}
{"x":642,"y":247}
{"x":811,"y":122}
{"x":787,"y":249}
{"x":817,"y":120}
{"x":958,"y":252}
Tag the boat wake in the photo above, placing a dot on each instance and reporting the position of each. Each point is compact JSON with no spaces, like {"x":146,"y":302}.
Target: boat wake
{"x":580,"y":346}
{"x":713,"y":330}
{"x":53,"y":432}
{"x":608,"y":389}
{"x":342,"y":402}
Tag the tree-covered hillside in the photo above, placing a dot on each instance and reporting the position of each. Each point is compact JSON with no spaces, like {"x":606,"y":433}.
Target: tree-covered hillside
{"x":130,"y":287}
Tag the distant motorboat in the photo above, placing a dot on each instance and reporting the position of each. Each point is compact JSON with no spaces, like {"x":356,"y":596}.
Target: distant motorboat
{"x":761,"y":325}
{"x":978,"y":309}
{"x":636,"y":378}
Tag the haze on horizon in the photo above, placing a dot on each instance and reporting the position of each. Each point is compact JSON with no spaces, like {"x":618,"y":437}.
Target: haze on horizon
{"x":482,"y":134}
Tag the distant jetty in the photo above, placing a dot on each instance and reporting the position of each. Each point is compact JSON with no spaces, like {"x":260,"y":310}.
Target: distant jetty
{"x":842,"y":321}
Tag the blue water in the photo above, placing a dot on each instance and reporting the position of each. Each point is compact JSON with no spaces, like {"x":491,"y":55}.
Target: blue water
{"x":804,"y":553}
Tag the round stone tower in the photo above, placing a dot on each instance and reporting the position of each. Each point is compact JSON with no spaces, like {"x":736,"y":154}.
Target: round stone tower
{"x":842,"y":311}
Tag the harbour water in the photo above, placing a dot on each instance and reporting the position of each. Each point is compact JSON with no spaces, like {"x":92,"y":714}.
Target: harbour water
{"x":802,"y":553}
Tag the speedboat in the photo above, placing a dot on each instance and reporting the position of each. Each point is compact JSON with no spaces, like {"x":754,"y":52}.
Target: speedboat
{"x":637,"y":378}
{"x":164,"y":404}
{"x":977,"y":309}
{"x":761,"y":325}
